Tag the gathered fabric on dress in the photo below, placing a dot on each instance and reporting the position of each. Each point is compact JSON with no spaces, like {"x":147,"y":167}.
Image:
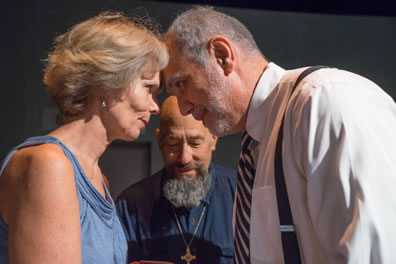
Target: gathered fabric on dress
{"x":102,"y":236}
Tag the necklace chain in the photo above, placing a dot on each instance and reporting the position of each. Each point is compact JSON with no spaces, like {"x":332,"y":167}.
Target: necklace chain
{"x":196,"y":228}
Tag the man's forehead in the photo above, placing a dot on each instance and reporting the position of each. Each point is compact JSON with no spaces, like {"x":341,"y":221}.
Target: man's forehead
{"x":177,"y":62}
{"x":170,"y":73}
{"x":176,"y":135}
{"x":178,"y":131}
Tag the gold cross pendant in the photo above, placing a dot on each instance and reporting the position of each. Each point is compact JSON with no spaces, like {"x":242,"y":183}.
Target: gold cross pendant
{"x":188,"y":257}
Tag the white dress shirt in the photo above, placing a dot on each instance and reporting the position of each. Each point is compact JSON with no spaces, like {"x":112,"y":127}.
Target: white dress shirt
{"x":339,"y":158}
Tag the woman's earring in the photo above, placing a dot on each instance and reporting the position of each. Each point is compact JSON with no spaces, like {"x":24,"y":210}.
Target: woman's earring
{"x":103,"y":103}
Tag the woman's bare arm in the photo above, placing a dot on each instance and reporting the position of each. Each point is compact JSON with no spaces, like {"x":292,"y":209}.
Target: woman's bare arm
{"x":40,"y":206}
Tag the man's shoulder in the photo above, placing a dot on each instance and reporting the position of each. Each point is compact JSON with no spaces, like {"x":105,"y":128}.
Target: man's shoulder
{"x":224,"y":183}
{"x":224,"y":172}
{"x":141,"y":189}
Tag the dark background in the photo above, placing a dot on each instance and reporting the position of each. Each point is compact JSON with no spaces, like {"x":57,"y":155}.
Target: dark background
{"x":356,"y":35}
{"x":342,"y":7}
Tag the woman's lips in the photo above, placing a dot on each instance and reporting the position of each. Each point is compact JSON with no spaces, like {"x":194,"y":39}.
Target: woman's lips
{"x":144,"y":122}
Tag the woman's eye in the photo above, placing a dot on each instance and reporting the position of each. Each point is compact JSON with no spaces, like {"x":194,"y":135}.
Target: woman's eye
{"x":154,"y":89}
{"x":159,"y":89}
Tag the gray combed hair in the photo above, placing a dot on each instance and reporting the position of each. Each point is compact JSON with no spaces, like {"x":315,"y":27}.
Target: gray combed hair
{"x":191,"y":30}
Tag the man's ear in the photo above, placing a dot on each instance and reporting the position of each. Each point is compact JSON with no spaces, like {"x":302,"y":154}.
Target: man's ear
{"x":220,"y":48}
{"x":214,"y":142}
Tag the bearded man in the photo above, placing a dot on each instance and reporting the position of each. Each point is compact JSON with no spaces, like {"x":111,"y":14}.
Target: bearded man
{"x":183,"y":213}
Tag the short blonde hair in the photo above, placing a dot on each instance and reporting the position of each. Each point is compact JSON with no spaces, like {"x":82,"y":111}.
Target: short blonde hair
{"x":101,"y":55}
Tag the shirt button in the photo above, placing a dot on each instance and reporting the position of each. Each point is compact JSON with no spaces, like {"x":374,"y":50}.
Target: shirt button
{"x":193,"y":220}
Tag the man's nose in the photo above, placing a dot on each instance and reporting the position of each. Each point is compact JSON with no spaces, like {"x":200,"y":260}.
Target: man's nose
{"x":185,"y":154}
{"x":185,"y":107}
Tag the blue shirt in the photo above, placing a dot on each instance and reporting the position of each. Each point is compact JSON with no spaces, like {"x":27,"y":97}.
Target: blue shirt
{"x":102,"y":236}
{"x":152,"y":231}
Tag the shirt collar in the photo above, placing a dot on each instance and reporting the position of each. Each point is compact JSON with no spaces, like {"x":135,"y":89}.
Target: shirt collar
{"x":270,"y":78}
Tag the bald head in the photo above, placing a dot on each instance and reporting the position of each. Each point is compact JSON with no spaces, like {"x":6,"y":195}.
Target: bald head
{"x":170,"y":116}
{"x":183,"y":140}
{"x":170,"y":112}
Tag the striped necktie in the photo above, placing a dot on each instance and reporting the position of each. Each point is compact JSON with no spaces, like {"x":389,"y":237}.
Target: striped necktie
{"x":246,"y":172}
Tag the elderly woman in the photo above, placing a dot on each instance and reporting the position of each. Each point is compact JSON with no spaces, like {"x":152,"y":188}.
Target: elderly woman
{"x":103,"y":75}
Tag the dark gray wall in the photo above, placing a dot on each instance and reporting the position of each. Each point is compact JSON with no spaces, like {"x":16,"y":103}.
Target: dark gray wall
{"x":365,"y":45}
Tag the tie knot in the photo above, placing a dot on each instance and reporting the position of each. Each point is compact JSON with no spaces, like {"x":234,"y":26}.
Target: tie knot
{"x":247,"y":142}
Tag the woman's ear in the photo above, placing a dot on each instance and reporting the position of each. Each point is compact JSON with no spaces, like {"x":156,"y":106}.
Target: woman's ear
{"x":220,"y":48}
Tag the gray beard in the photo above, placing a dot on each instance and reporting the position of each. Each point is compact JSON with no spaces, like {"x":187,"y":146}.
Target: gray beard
{"x":185,"y":192}
{"x":222,"y":93}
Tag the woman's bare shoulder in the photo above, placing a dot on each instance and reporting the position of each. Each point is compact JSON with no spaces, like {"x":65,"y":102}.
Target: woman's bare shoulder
{"x":39,"y":160}
{"x":36,"y":175}
{"x":40,"y":183}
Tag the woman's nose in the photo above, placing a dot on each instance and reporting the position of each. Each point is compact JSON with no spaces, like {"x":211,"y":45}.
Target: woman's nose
{"x":154,"y":105}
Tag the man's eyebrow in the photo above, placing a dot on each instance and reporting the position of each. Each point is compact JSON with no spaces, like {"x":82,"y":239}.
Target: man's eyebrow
{"x":170,"y":82}
{"x":171,"y":136}
{"x":197,"y":137}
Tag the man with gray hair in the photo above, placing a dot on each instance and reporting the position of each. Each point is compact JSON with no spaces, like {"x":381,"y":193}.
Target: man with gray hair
{"x":317,"y":167}
{"x":183,"y":213}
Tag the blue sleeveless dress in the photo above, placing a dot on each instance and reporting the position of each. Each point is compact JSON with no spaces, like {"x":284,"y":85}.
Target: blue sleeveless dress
{"x":102,"y":236}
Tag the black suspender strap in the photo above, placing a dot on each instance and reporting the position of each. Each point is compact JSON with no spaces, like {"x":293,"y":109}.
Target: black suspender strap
{"x":291,"y":251}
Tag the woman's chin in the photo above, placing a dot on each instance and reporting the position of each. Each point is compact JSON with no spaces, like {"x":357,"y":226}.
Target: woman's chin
{"x":132,"y":136}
